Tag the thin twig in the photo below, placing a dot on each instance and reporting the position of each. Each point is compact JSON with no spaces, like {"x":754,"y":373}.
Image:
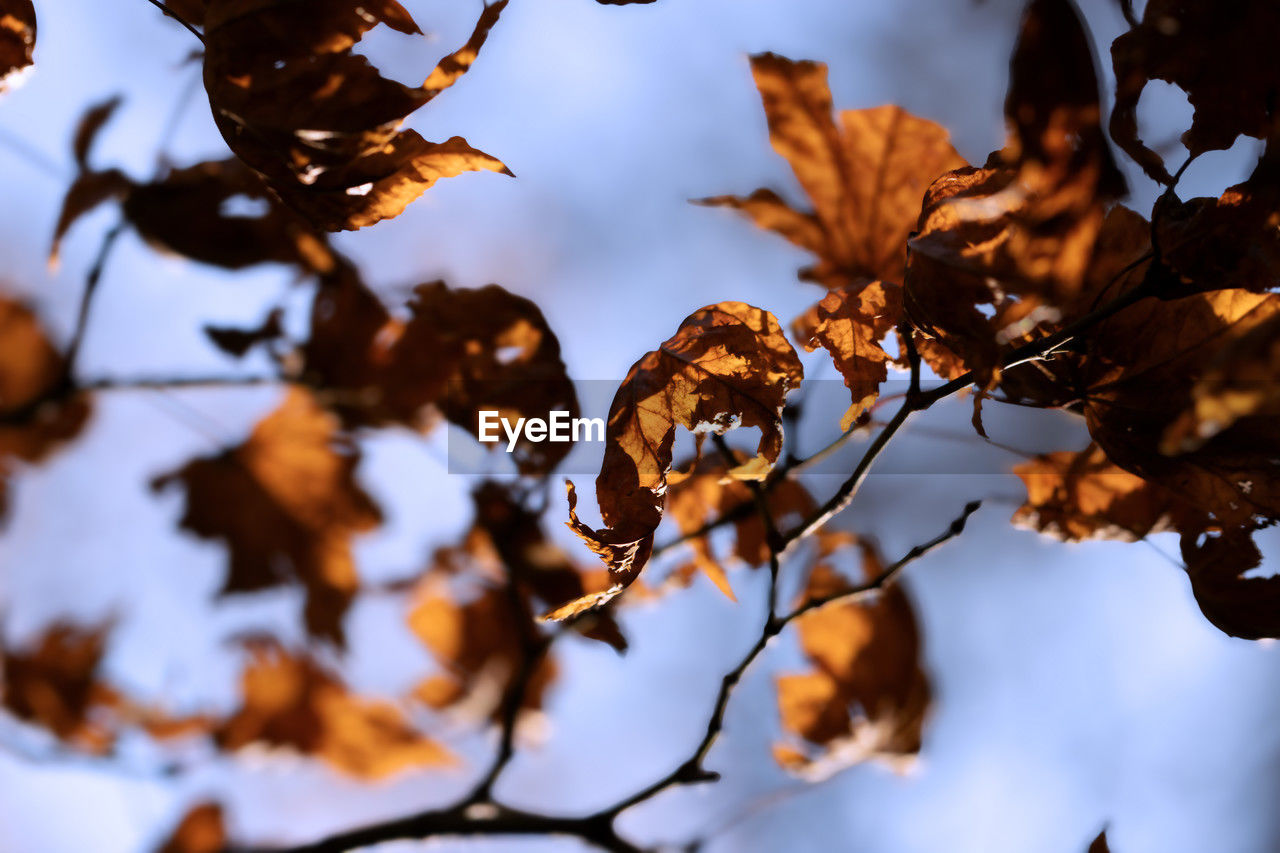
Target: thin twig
{"x":181,"y":20}
{"x":86,"y":299}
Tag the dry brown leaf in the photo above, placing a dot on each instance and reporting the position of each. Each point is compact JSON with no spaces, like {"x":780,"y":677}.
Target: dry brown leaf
{"x":291,"y":701}
{"x":1239,"y":605}
{"x":1022,"y":229}
{"x":192,"y":212}
{"x":867,"y":695}
{"x":460,"y":352}
{"x":54,"y":684}
{"x":201,"y":830}
{"x":728,"y":365}
{"x":17,"y":39}
{"x":1099,"y":844}
{"x":864,"y":178}
{"x":36,"y":413}
{"x":850,"y":324}
{"x":1222,"y":56}
{"x":316,"y":120}
{"x":1076,"y":496}
{"x":1142,"y":365}
{"x":287,"y":505}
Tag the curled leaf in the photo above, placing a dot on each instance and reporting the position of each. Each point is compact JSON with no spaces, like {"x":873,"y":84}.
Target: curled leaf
{"x":728,"y":365}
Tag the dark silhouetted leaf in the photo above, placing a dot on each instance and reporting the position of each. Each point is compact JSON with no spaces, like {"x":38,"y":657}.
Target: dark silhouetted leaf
{"x":238,"y":342}
{"x":1247,"y":607}
{"x":1220,"y":54}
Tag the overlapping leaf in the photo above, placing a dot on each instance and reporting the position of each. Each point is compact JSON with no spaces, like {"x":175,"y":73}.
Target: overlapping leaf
{"x":728,"y":365}
{"x":1221,"y":55}
{"x":292,"y":702}
{"x":460,"y":352}
{"x":287,"y":505}
{"x":1218,"y":565}
{"x":867,"y":695}
{"x":1023,"y":227}
{"x":863,"y":178}
{"x":318,"y":121}
{"x":55,"y":685}
{"x":17,"y":39}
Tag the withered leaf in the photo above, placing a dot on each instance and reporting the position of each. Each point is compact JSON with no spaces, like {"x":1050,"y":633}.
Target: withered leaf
{"x":216,"y":212}
{"x":287,"y":505}
{"x":1142,"y":365}
{"x":17,"y":39}
{"x":1241,"y":381}
{"x":201,"y":830}
{"x":318,"y":121}
{"x":851,"y":323}
{"x":709,"y":492}
{"x":460,"y":352}
{"x":867,"y":695}
{"x":1247,"y":607}
{"x":1099,"y":844}
{"x":727,"y":365}
{"x":864,"y":178}
{"x":1023,"y":227}
{"x":1220,"y":55}
{"x":36,"y":415}
{"x":54,"y":684}
{"x":478,"y":643}
{"x":1227,"y":242}
{"x":293,"y":702}
{"x":1076,"y":496}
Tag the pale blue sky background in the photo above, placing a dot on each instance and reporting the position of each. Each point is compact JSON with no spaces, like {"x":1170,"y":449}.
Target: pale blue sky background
{"x":1075,"y":686}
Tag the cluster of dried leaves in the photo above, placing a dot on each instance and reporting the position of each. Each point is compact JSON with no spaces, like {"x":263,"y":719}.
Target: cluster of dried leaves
{"x":1023,"y":278}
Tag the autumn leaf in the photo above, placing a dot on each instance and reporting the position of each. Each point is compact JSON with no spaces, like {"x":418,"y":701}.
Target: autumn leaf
{"x":708,"y":492}
{"x":17,"y":39}
{"x":1221,"y":57}
{"x":867,"y":695}
{"x":287,"y":505}
{"x":1099,"y":844}
{"x":292,"y":702}
{"x":728,"y":365}
{"x":460,"y":352}
{"x":1077,"y":496}
{"x":201,"y":830}
{"x":316,"y":120}
{"x":1237,"y":604}
{"x":1228,"y":242}
{"x":237,"y":342}
{"x":850,"y":324}
{"x":1142,"y":366}
{"x":217,"y":212}
{"x":54,"y":684}
{"x":863,"y":178}
{"x":37,"y":414}
{"x":1021,"y":229}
